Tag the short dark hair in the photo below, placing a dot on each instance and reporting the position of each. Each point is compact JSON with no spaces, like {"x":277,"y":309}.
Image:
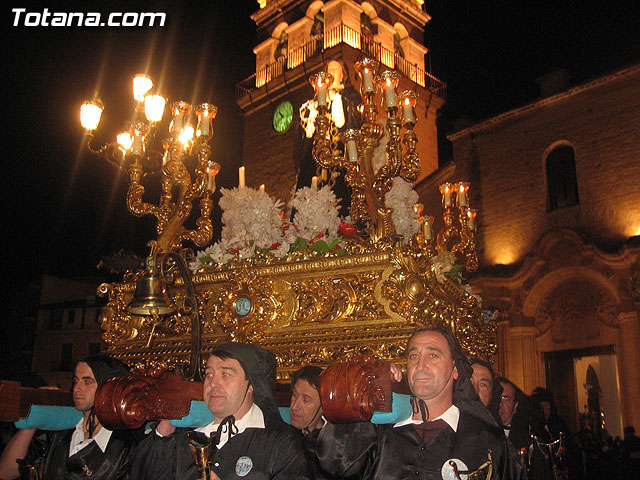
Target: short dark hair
{"x":224,"y":355}
{"x":485,"y":364}
{"x":519,"y":394}
{"x":310,"y":373}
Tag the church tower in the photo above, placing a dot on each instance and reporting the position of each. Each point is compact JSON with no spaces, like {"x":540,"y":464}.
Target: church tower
{"x":298,"y":38}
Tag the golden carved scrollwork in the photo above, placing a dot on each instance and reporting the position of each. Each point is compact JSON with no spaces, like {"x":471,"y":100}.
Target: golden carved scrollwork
{"x":306,"y":311}
{"x":264,"y":304}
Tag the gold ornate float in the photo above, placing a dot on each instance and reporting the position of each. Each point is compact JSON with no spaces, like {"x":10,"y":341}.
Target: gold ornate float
{"x":309,"y":305}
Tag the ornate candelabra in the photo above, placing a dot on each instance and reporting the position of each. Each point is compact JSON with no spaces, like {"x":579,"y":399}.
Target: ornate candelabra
{"x":369,"y":186}
{"x":136,"y":151}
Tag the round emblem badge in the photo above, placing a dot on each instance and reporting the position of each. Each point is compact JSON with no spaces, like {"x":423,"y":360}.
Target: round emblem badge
{"x":243,"y":306}
{"x":243,"y":466}
{"x":449,"y":473}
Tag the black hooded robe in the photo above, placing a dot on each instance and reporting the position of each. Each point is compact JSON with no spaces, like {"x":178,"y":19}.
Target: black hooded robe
{"x":274,"y":452}
{"x":112,"y":464}
{"x":385,"y":452}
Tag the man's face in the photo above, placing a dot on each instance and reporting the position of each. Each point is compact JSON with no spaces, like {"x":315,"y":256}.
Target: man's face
{"x":546,"y":409}
{"x":226,"y":387}
{"x":508,"y":404}
{"x":482,"y":381}
{"x":84,"y":387}
{"x":430,"y":368}
{"x":305,"y":405}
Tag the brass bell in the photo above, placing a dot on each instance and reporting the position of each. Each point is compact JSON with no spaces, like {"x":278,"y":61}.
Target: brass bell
{"x":150,"y":293}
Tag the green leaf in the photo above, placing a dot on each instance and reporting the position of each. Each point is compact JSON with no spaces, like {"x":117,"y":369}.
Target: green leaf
{"x":320,"y":246}
{"x":334,"y":243}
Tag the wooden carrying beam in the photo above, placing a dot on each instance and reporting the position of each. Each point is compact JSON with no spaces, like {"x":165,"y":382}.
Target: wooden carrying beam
{"x":16,"y":401}
{"x":351,"y":392}
{"x":129,"y":402}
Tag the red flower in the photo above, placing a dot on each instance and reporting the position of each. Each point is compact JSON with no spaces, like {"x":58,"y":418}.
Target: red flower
{"x":274,"y":246}
{"x":235,"y":250}
{"x":317,"y":237}
{"x":347,"y":229}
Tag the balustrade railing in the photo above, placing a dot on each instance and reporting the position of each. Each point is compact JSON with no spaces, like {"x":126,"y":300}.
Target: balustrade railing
{"x":331,"y":38}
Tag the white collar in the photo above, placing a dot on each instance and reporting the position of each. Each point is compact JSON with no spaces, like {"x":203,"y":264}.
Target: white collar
{"x":78,"y":441}
{"x":451,"y":416}
{"x":254,"y":418}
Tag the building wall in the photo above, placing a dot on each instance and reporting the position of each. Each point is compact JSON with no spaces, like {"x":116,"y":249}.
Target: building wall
{"x":68,"y":328}
{"x":566,"y":282}
{"x":505,"y":159}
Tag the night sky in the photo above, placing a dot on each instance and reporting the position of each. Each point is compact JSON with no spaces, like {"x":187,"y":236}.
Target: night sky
{"x":66,"y":206}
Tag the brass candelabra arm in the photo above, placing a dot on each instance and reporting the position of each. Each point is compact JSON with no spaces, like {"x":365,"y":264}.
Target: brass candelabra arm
{"x":383,"y":179}
{"x":322,"y":152}
{"x":448,"y":233}
{"x":203,"y":234}
{"x":411,"y":161}
{"x":466,"y":246}
{"x":109,"y":151}
{"x":134,"y":195}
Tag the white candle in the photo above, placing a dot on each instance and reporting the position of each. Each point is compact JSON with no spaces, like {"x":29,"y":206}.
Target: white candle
{"x":472,"y":220}
{"x":367,"y":81}
{"x":447,"y":197}
{"x":136,"y":146}
{"x":462,"y":196}
{"x":241,"y":177}
{"x":407,"y":110}
{"x":322,"y":94}
{"x":262,"y":187}
{"x":314,"y":183}
{"x":352,"y":151}
{"x":204,"y":124}
{"x":426,"y":231}
{"x":390,"y":95}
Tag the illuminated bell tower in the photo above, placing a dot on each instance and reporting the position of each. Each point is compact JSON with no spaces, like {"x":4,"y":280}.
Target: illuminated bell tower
{"x":297,"y":38}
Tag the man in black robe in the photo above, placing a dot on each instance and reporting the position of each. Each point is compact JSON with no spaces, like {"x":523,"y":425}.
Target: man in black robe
{"x":449,"y":424}
{"x":305,"y":411}
{"x":89,"y":449}
{"x":484,"y":382}
{"x":515,"y":426}
{"x":248,"y":439}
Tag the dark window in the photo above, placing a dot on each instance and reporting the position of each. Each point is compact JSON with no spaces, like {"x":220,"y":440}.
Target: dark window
{"x":562,"y":183}
{"x":71,"y":317}
{"x":397,"y":47}
{"x":55,"y":322}
{"x":84,"y":313}
{"x":94,"y":348}
{"x":283,"y":47}
{"x":66,"y":364}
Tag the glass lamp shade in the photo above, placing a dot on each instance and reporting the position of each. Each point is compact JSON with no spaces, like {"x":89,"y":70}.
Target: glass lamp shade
{"x":90,"y":113}
{"x":206,"y":113}
{"x":180,"y":110}
{"x":388,"y":78}
{"x":186,"y":134}
{"x":141,"y":85}
{"x":154,"y":107}
{"x":125,"y":140}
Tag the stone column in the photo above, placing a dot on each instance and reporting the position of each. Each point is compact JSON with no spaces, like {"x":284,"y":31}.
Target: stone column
{"x":522,"y":359}
{"x":628,"y":355}
{"x":502,"y":339}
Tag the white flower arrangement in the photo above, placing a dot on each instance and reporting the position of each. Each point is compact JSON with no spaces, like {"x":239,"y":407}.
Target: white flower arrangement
{"x":252,"y":222}
{"x":401,"y":198}
{"x":316,"y":212}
